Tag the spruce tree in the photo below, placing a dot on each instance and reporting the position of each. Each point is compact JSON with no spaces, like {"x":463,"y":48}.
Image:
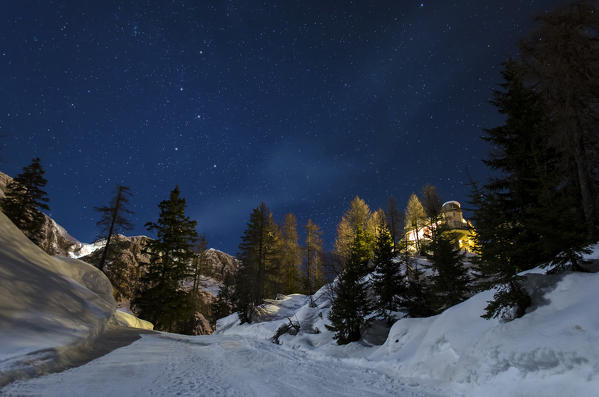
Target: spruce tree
{"x":561,"y":60}
{"x":450,"y":280}
{"x":24,"y":199}
{"x":351,"y":304}
{"x":525,"y":216}
{"x":223,"y":305}
{"x":258,"y":258}
{"x":387,"y":281}
{"x":415,"y":299}
{"x":162,"y":301}
{"x":114,"y":220}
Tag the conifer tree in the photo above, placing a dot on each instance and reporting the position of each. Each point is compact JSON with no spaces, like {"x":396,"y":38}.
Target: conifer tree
{"x":351,"y":304}
{"x":24,"y":199}
{"x":416,"y":296}
{"x":431,"y":203}
{"x":561,"y":59}
{"x":113,"y":219}
{"x":258,"y":257}
{"x":394,"y":221}
{"x":387,"y":281}
{"x":526,"y":216}
{"x":313,"y":261}
{"x":415,"y":219}
{"x":162,"y":301}
{"x":290,"y":255}
{"x":450,"y":279}
{"x":223,"y":305}
{"x":198,"y":264}
{"x":357,"y":216}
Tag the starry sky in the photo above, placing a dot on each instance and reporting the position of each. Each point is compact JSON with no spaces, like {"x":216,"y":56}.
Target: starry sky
{"x":300,"y":104}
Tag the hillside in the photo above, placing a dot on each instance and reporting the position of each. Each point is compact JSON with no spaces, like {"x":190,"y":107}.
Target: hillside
{"x":551,"y":351}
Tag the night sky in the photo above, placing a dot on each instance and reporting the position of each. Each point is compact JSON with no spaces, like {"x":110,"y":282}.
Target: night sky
{"x":300,"y":104}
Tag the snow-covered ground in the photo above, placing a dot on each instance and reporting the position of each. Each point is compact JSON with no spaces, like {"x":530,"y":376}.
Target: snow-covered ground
{"x":169,"y":365}
{"x":51,"y":304}
{"x":50,"y":307}
{"x":551,"y":351}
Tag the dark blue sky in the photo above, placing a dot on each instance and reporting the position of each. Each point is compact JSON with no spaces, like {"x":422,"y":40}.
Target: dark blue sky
{"x":300,"y":104}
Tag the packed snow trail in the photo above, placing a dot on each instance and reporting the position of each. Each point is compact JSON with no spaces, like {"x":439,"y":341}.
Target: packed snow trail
{"x":168,"y":365}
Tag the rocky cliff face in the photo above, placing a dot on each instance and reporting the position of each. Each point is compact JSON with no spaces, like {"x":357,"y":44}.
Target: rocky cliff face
{"x":126,"y":264}
{"x":56,"y":239}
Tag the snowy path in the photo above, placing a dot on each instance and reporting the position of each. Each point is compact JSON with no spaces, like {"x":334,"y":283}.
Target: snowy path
{"x":165,"y":365}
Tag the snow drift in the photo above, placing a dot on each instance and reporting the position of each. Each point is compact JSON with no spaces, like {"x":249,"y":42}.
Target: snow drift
{"x":50,"y":307}
{"x":551,"y":351}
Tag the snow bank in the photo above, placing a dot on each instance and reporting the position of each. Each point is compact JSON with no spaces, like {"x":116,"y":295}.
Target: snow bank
{"x":551,"y":351}
{"x":48,"y":305}
{"x":128,"y":320}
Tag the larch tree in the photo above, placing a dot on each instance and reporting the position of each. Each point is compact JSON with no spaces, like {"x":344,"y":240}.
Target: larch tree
{"x":199,"y":264}
{"x":113,"y":219}
{"x":313,"y":260}
{"x":24,"y":200}
{"x":357,"y":216}
{"x":432,"y":204}
{"x":290,"y":255}
{"x":395,"y":221}
{"x":258,"y":257}
{"x":162,"y":300}
{"x":415,"y":219}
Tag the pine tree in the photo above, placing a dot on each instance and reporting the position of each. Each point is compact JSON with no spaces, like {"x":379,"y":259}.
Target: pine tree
{"x":450,"y":279}
{"x":162,"y":301}
{"x":290,"y":255}
{"x":351,"y":304}
{"x":223,"y":305}
{"x":257,"y":254}
{"x":25,"y":199}
{"x":387,"y":281}
{"x":415,"y":219}
{"x":114,"y":219}
{"x":313,"y":261}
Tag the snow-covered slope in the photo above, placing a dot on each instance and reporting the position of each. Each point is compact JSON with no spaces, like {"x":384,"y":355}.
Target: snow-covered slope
{"x":49,"y":306}
{"x":551,"y":351}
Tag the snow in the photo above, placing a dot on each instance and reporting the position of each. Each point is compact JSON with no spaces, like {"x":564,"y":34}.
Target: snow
{"x":85,"y":249}
{"x":50,"y":306}
{"x":129,"y":320}
{"x":168,"y":364}
{"x":551,"y":351}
